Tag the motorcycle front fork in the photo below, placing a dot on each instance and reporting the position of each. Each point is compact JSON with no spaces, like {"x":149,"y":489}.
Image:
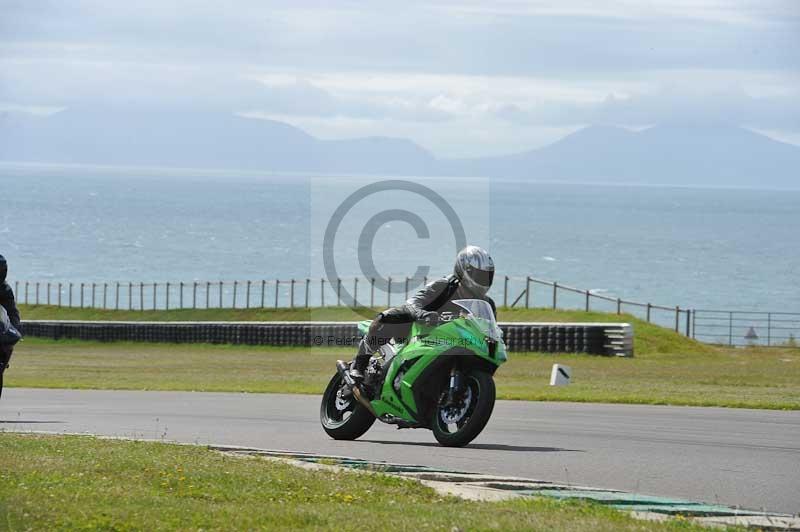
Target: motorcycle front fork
{"x":455,"y":386}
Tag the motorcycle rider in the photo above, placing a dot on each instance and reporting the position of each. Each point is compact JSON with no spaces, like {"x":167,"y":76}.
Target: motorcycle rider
{"x":471,"y":279}
{"x":8,"y":303}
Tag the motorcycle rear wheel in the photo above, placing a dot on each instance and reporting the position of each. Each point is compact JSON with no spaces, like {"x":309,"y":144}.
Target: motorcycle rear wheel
{"x":343,"y":419}
{"x":476,"y":412}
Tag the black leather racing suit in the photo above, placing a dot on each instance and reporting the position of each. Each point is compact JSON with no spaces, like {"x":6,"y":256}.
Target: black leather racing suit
{"x":436,"y":296}
{"x":9,"y":303}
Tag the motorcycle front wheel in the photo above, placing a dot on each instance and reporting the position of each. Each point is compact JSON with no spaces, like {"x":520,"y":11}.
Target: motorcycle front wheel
{"x":342,"y":416}
{"x":455,"y":425}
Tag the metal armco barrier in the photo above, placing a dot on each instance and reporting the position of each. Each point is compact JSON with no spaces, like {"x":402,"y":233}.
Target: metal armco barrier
{"x":593,"y":338}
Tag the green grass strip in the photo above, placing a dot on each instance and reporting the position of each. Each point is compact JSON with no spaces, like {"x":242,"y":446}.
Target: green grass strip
{"x":752,"y":378}
{"x":83,"y":483}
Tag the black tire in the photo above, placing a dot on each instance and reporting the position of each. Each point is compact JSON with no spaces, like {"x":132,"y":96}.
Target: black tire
{"x":343,"y":424}
{"x":476,"y":417}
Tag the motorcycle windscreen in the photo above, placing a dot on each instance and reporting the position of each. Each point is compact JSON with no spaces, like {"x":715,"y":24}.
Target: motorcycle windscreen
{"x":481,"y":312}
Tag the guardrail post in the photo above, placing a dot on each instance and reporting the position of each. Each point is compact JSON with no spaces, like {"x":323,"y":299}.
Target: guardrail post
{"x":389,"y":293}
{"x":555,"y":295}
{"x":221,"y":287}
{"x":291,"y":294}
{"x":587,"y":301}
{"x":505,"y":291}
{"x":355,"y":292}
{"x":372,"y":293}
{"x":235,"y":287}
{"x":141,"y":296}
{"x":730,"y":328}
{"x":59,"y":294}
{"x":688,"y":322}
{"x":769,"y":328}
{"x":322,"y":292}
{"x":527,"y":291}
{"x":677,"y":318}
{"x":263,"y":289}
{"x":277,"y":287}
{"x":26,"y":294}
{"x":308,"y":285}
{"x":105,"y":293}
{"x":649,"y":306}
{"x":247,"y":298}
{"x":619,"y":306}
{"x":166,"y":301}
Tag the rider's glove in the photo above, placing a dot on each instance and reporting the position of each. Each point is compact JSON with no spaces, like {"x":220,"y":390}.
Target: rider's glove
{"x":429,"y":318}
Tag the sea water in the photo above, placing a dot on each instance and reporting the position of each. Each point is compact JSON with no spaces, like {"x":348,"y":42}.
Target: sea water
{"x":693,"y":247}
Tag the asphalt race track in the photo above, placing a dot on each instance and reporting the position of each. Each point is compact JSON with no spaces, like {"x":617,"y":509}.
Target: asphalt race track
{"x":749,"y":458}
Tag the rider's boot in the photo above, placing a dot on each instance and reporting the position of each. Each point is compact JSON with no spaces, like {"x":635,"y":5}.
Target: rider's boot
{"x":359,"y":364}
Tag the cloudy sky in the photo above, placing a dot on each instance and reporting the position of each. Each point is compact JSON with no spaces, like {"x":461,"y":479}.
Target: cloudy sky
{"x":458,"y":77}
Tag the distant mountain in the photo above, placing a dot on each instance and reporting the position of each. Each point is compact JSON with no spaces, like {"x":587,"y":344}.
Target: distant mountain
{"x":721,"y":156}
{"x":664,"y":154}
{"x":198,"y":140}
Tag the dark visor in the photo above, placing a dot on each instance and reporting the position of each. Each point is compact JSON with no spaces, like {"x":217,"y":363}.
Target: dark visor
{"x":482,"y":277}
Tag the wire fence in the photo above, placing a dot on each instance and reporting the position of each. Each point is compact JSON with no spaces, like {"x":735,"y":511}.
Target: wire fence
{"x":529,"y":291}
{"x":742,"y":328}
{"x":511,"y":292}
{"x":274,"y":293}
{"x":728,"y":327}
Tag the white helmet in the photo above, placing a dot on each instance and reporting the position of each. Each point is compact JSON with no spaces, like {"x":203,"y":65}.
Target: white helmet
{"x":475,"y":269}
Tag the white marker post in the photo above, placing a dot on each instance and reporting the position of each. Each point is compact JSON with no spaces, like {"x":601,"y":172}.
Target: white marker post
{"x":561,"y":375}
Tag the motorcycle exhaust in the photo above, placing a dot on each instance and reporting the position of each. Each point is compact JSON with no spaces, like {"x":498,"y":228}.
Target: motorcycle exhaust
{"x":344,"y":371}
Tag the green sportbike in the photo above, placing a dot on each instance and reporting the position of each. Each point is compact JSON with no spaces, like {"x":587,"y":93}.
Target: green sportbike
{"x":440,"y":379}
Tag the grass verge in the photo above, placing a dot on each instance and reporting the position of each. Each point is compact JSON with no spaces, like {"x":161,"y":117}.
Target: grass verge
{"x":83,"y":483}
{"x":753,"y":378}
